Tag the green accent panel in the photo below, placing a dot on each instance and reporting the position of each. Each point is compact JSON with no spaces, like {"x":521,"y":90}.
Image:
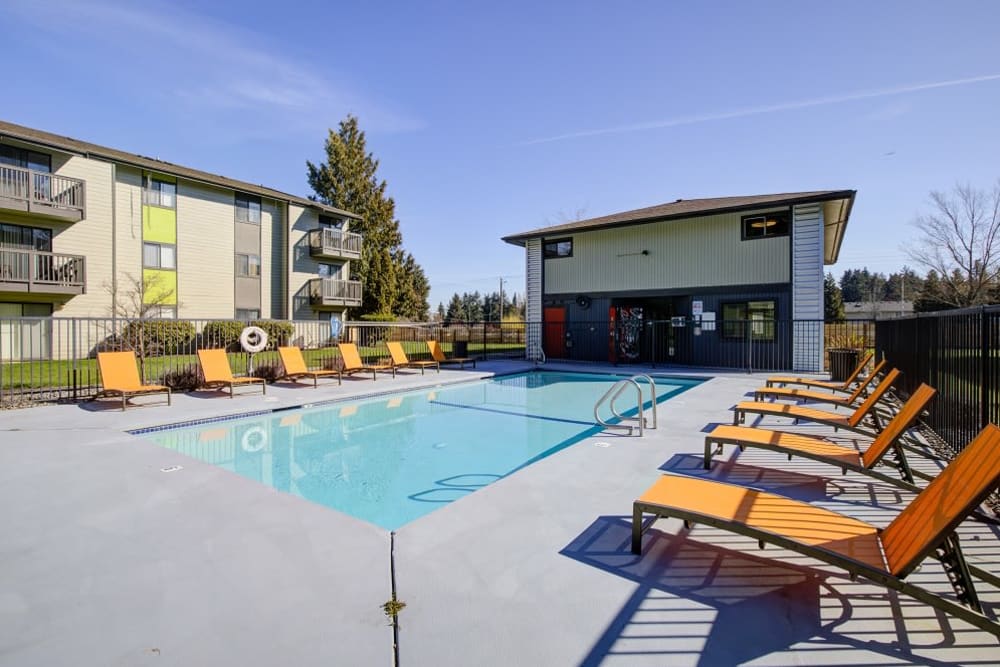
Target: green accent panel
{"x":160,"y":282}
{"x":159,"y":224}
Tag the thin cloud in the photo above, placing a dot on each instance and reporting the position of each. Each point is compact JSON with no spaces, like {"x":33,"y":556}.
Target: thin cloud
{"x":773,"y":108}
{"x":214,"y":66}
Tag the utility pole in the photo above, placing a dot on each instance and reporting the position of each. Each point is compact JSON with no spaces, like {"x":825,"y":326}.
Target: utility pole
{"x":500,"y":305}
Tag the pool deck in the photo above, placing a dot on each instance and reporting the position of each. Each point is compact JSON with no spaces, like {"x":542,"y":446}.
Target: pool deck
{"x":108,"y":560}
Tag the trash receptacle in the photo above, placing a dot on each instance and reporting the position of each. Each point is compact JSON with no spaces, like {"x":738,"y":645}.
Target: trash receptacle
{"x":842,"y":363}
{"x":460,"y":348}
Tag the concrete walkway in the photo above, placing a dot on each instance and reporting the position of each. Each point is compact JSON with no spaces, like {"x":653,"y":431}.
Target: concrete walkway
{"x":107,"y":560}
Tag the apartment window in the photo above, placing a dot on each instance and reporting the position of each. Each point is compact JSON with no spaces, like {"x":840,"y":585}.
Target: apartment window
{"x":557,"y":248}
{"x":328,"y":270}
{"x":759,"y":315}
{"x":160,"y":193}
{"x":22,"y":157}
{"x":247,"y":266}
{"x":160,"y":312}
{"x":247,"y":314}
{"x":766,"y":225}
{"x":330,"y":222}
{"x":25,"y":238}
{"x":247,"y":209}
{"x":159,"y":256}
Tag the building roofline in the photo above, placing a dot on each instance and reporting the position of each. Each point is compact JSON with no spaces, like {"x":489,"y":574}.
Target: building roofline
{"x":583,"y":226}
{"x":89,"y":150}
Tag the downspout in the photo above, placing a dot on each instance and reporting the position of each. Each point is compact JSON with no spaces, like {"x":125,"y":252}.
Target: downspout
{"x":114,"y":245}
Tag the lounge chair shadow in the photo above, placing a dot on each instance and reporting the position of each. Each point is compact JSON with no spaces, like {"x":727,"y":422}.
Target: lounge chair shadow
{"x":752,"y":606}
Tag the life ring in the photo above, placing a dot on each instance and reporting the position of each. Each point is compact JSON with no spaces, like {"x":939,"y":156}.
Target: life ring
{"x":254,"y":439}
{"x":253,"y":339}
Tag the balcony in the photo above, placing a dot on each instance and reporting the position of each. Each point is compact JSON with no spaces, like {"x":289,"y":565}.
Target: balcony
{"x":334,"y":244}
{"x":42,"y":272}
{"x":331,"y":293}
{"x":43,"y":194}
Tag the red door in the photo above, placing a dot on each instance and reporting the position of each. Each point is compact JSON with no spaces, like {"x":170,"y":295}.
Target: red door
{"x":555,"y":332}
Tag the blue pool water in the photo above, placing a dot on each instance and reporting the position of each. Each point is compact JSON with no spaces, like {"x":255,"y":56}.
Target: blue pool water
{"x":392,"y":459}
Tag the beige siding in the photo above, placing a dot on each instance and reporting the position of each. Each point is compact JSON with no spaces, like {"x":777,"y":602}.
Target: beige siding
{"x":205,"y":251}
{"x":700,"y":252}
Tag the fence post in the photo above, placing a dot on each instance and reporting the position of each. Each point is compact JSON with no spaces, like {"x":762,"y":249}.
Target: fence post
{"x":984,"y":375}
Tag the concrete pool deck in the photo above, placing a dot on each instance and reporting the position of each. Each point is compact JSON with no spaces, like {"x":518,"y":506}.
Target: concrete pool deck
{"x":108,"y":560}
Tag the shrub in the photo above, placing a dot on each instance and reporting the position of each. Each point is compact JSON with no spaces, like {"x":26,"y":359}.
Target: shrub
{"x":279,"y":332}
{"x":155,"y":337}
{"x":269,"y":372}
{"x":378,"y":317}
{"x":182,"y":379}
{"x":222,"y":333}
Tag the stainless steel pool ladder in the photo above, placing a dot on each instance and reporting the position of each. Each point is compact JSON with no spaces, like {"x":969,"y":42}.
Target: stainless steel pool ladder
{"x":534,"y":352}
{"x":640,"y":414}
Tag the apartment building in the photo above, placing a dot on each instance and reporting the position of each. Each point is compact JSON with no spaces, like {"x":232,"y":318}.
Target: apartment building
{"x":81,"y":222}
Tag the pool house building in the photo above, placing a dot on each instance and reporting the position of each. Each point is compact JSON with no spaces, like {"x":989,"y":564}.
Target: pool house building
{"x":686,"y":281}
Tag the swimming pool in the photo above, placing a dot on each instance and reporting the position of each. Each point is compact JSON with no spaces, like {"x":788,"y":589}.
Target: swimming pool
{"x":392,"y":459}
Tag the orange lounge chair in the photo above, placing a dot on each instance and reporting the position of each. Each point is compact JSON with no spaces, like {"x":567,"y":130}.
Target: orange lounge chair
{"x":823,"y":384}
{"x":400,"y":360}
{"x":353,"y":364}
{"x":217,"y":373}
{"x":826,"y":451}
{"x":852,"y":422}
{"x":926,"y":527}
{"x":295,"y":367}
{"x":439,"y":357}
{"x":120,"y":377}
{"x":801,"y":394}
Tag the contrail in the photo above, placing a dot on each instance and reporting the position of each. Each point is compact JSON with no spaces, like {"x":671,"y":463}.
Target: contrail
{"x":753,"y":111}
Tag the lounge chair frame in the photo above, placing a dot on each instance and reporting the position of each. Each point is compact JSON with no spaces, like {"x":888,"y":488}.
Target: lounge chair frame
{"x":401,"y":360}
{"x":904,"y":544}
{"x":363,"y":367}
{"x":231,"y":381}
{"x":139,"y":390}
{"x":895,"y":430}
{"x":295,"y":375}
{"x":439,"y":356}
{"x":844,"y":386}
{"x":859,"y":392}
{"x":853,"y":422}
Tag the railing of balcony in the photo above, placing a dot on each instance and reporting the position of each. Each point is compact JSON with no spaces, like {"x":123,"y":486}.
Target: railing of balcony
{"x":35,"y":267}
{"x":38,"y":187}
{"x":335,"y":242}
{"x":330,"y":289}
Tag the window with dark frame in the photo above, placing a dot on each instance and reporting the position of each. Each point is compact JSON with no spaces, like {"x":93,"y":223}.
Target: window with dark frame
{"x":160,"y":312}
{"x":159,"y":256}
{"x":758,"y":314}
{"x":25,"y":238}
{"x":159,"y":193}
{"x":247,"y":314}
{"x":22,"y":157}
{"x":330,"y":222}
{"x":766,"y":225}
{"x":247,"y":209}
{"x":557,"y":248}
{"x":247,"y":266}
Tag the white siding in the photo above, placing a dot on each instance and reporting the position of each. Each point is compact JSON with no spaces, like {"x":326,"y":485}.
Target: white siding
{"x":533,"y":292}
{"x":807,"y":287}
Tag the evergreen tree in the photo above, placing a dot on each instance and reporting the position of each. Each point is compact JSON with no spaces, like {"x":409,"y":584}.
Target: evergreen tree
{"x":348,"y":180}
{"x":456,"y":310}
{"x":833,"y":304}
{"x":931,"y":297}
{"x":440,"y":312}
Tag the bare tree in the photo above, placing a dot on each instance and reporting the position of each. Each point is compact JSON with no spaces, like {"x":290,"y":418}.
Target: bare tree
{"x":140,"y":298}
{"x":960,"y":242}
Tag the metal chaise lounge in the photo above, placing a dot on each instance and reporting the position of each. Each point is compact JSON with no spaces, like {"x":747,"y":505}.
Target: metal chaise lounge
{"x":218,"y":374}
{"x":120,"y":377}
{"x":438,"y":354}
{"x":813,"y":396}
{"x":295,"y":367}
{"x":825,"y":450}
{"x":845,"y":386}
{"x":854,"y":422}
{"x":400,"y":360}
{"x":352,"y":362}
{"x":926,"y":527}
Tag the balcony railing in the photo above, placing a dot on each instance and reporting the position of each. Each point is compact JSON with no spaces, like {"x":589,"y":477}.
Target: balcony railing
{"x":46,"y":272}
{"x":334,"y":243}
{"x":331,"y":292}
{"x":42,"y":193}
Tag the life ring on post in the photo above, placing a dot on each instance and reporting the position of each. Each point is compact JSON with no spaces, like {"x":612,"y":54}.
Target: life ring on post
{"x":253,"y":339}
{"x":254,"y":439}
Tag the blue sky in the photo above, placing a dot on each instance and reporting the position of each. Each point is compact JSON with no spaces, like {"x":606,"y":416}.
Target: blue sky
{"x":494,"y":118}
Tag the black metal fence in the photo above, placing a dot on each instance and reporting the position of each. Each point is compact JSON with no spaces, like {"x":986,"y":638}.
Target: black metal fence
{"x":957,"y":353}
